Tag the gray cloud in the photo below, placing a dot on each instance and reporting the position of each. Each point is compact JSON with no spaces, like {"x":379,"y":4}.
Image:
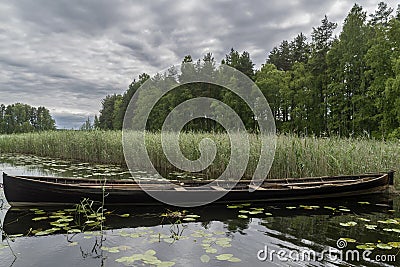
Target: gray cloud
{"x":67,"y":55}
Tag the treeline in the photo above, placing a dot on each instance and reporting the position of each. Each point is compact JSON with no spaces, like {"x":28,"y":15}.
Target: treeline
{"x":22,"y":118}
{"x":345,"y":85}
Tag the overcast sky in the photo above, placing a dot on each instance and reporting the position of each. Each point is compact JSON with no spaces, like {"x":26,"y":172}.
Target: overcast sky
{"x":68,"y":55}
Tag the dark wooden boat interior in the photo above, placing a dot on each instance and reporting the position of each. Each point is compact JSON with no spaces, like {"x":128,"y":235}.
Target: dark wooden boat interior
{"x":288,"y":183}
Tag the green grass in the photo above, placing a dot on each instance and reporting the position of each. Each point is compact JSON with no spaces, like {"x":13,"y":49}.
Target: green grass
{"x":294,"y":157}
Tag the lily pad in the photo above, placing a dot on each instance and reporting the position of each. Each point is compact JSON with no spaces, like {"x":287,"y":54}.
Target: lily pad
{"x":392,"y":230}
{"x":367,"y":246}
{"x":255,"y":212}
{"x":345,"y":210}
{"x":150,"y":252}
{"x":242,"y":216}
{"x":234,"y":206}
{"x":166,"y":264}
{"x":394,"y":244}
{"x":389,"y":221}
{"x":371,"y":226}
{"x":192,"y":216}
{"x":40,"y":218}
{"x":72,"y":231}
{"x":224,"y":257}
{"x":205,"y":258}
{"x":234,"y":259}
{"x":348,"y":224}
{"x":384,"y":246}
{"x":211,"y":250}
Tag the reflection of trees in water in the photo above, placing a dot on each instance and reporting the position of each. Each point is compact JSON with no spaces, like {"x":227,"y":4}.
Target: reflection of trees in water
{"x":326,"y":229}
{"x":237,"y":225}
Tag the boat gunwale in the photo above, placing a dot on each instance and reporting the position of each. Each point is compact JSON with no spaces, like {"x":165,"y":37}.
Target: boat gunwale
{"x":281,"y":186}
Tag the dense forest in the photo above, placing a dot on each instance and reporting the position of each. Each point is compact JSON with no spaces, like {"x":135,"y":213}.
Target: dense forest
{"x":22,"y":118}
{"x":347,"y":85}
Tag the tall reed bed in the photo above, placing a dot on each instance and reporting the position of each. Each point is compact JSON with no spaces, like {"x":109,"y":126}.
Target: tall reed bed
{"x":294,"y":157}
{"x":87,"y":146}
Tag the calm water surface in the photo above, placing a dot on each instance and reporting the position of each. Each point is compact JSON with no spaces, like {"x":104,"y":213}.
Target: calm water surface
{"x":304,"y":234}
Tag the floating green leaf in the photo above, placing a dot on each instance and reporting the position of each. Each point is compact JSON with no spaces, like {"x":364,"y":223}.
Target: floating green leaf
{"x":291,"y":208}
{"x":166,"y":264}
{"x":242,"y":216}
{"x":255,"y":212}
{"x":64,"y":220}
{"x":192,"y":216}
{"x":384,"y":246}
{"x":224,"y":257}
{"x":345,"y":210}
{"x":131,"y":259}
{"x":364,"y":202}
{"x":348,"y":224}
{"x":15,"y":236}
{"x":394,"y":244}
{"x":391,"y":221}
{"x":367,"y":246}
{"x":211,"y":250}
{"x":40,"y":218}
{"x":40,"y":233}
{"x":205,"y":258}
{"x":329,"y":208}
{"x":72,"y":231}
{"x":123,"y":248}
{"x":151,"y":252}
{"x":126,"y":215}
{"x":234,"y":259}
{"x":309,"y":207}
{"x":392,"y":230}
{"x":371,"y":226}
{"x":219,"y":233}
{"x":260,"y":209}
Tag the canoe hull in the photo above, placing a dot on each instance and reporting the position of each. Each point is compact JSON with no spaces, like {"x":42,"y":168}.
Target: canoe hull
{"x":23,"y":191}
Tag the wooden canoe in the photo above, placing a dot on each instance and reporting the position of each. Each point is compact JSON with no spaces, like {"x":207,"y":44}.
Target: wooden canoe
{"x":49,"y":191}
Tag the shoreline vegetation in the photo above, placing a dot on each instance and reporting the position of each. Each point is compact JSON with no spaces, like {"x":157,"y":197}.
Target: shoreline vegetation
{"x":294,"y":157}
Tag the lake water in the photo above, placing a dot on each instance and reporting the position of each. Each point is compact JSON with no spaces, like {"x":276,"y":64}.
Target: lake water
{"x":283,"y":234}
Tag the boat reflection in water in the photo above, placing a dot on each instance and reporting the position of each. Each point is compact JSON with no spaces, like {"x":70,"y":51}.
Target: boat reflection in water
{"x":55,"y":236}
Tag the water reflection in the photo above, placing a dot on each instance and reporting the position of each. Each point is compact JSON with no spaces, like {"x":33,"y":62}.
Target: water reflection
{"x":215,"y":231}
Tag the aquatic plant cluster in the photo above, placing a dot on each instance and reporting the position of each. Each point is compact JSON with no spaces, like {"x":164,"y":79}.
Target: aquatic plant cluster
{"x":295,"y":156}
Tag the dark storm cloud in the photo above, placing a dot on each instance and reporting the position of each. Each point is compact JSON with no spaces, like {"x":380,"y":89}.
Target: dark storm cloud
{"x":67,"y":55}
